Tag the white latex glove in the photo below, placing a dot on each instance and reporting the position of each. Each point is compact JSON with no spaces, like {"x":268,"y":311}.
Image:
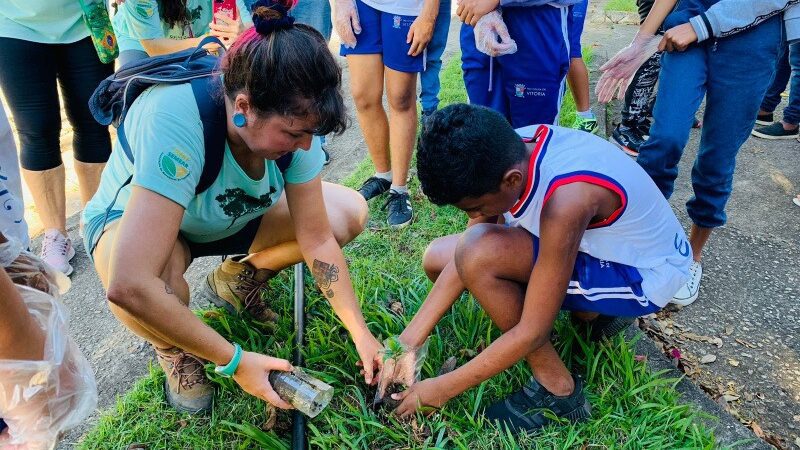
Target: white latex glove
{"x":347,"y":23}
{"x":491,"y":35}
{"x":619,"y":70}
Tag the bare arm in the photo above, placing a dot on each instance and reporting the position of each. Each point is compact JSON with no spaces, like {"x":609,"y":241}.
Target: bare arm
{"x":656,"y":16}
{"x":564,"y":219}
{"x":323,"y":255}
{"x":21,"y":337}
{"x":135,"y":285}
{"x":163,"y":46}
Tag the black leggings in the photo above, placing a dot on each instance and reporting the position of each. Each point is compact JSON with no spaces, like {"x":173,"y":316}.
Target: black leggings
{"x":28,"y":75}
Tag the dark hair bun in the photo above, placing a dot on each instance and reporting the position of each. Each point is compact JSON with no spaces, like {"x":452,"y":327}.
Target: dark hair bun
{"x":271,"y":15}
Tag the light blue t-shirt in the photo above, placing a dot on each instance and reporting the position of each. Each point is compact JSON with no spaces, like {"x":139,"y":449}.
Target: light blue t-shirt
{"x":43,"y":21}
{"x":165,"y":133}
{"x":138,"y":20}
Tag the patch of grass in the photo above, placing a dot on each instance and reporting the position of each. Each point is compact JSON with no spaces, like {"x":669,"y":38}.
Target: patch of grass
{"x":632,"y":408}
{"x":621,"y":5}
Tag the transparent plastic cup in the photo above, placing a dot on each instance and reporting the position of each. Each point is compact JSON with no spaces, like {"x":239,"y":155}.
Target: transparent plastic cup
{"x":306,"y":393}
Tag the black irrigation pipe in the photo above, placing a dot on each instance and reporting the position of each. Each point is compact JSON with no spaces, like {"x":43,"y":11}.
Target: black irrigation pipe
{"x":299,"y":441}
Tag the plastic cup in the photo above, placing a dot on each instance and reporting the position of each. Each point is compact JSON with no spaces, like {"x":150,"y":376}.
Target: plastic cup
{"x":306,"y":393}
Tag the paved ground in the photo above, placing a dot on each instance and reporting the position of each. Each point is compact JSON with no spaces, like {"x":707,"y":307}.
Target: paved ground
{"x":748,"y":299}
{"x":749,"y":294}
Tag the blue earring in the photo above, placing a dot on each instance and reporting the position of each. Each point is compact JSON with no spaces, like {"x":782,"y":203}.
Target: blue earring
{"x":239,"y":120}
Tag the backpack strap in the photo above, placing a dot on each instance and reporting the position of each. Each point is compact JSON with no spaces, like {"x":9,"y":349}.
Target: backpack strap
{"x":215,"y":129}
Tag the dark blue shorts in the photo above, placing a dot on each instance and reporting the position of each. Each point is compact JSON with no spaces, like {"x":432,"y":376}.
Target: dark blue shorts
{"x":526,"y":86}
{"x":604,"y":287}
{"x":385,"y":34}
{"x":577,"y":17}
{"x":235,"y":244}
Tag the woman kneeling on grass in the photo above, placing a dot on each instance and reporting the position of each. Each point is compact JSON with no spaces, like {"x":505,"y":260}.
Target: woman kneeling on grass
{"x":281,"y":87}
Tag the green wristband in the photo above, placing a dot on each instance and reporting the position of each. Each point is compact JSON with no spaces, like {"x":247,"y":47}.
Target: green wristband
{"x":228,"y":370}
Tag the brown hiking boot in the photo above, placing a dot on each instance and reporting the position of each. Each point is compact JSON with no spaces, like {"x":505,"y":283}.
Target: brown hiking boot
{"x":236,"y":285}
{"x":187,"y":387}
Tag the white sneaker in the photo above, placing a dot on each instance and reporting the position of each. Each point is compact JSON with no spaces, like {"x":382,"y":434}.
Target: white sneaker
{"x":57,"y":251}
{"x":688,"y":293}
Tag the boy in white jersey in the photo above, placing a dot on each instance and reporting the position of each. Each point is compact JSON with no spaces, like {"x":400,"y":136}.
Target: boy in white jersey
{"x":578,"y":220}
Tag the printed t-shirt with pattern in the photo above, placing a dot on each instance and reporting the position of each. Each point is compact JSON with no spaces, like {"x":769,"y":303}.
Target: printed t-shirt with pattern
{"x":165,"y":133}
{"x":138,"y":20}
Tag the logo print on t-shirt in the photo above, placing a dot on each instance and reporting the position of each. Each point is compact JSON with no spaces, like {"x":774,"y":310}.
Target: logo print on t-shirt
{"x":174,"y":165}
{"x":519,"y":90}
{"x":145,"y":8}
{"x":237,"y":203}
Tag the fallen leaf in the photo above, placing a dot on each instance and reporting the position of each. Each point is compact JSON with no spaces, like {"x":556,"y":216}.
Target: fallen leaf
{"x":137,"y":447}
{"x":728,"y":330}
{"x":797,"y":441}
{"x":730,"y":398}
{"x":717,"y":341}
{"x":449,"y":365}
{"x":675,"y":353}
{"x":733,"y":362}
{"x":744,"y":343}
{"x":757,"y":429}
{"x":468,"y":353}
{"x":708,"y":359}
{"x":183,"y":423}
{"x":640,"y":358}
{"x":397,"y":308}
{"x":272,"y":418}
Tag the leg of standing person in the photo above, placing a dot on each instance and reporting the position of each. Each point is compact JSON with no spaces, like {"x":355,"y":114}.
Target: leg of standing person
{"x":482,"y":77}
{"x":534,"y":78}
{"x":783,"y":71}
{"x":788,"y":127}
{"x":79,"y":73}
{"x":639,"y":99}
{"x":316,"y":14}
{"x":33,"y":102}
{"x":12,"y":218}
{"x":578,"y":75}
{"x":429,"y":78}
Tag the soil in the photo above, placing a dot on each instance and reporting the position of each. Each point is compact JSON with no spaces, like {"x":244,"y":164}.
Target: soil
{"x":387,"y":404}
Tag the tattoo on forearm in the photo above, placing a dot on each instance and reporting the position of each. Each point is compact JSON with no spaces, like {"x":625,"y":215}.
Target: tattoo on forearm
{"x":325,"y":274}
{"x":168,"y":289}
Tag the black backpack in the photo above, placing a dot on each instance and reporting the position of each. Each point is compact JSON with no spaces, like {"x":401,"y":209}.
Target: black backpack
{"x":112,"y":99}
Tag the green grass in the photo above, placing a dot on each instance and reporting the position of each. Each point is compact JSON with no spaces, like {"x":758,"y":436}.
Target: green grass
{"x":621,"y":5}
{"x":632,"y":408}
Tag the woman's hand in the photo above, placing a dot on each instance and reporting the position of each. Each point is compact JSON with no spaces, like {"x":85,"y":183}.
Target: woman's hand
{"x":369,"y":349}
{"x":619,"y":70}
{"x":253,"y":376}
{"x":419,"y":35}
{"x":423,"y":395}
{"x":226,"y":28}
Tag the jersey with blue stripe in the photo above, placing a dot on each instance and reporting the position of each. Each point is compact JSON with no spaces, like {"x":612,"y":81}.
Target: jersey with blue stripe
{"x":642,"y":233}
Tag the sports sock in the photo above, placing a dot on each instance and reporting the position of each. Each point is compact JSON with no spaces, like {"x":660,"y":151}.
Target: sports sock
{"x":586,"y":114}
{"x":384,"y":175}
{"x":399,"y":189}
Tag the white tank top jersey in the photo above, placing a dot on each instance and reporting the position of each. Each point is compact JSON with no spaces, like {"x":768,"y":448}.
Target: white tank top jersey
{"x":401,"y":7}
{"x":643,"y":233}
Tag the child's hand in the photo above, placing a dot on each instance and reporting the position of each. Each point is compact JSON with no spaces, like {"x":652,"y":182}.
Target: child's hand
{"x":419,"y":35}
{"x":424,"y":395}
{"x":470,"y":11}
{"x":402,"y":370}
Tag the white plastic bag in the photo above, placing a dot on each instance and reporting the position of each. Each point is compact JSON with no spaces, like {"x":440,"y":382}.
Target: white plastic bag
{"x":40,"y":399}
{"x":27,"y":269}
{"x":491,"y":36}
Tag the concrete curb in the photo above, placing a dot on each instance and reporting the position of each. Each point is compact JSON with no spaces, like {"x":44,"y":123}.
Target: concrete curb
{"x":728,"y":431}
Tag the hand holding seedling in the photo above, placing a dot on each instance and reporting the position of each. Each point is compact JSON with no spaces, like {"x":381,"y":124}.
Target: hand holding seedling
{"x":401,"y":366}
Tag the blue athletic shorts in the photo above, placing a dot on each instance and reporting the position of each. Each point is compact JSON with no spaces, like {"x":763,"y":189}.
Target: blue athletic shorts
{"x":526,"y":86}
{"x":604,"y":287}
{"x":385,"y":34}
{"x":577,"y":17}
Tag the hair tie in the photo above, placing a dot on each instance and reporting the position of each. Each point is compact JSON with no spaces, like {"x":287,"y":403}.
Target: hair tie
{"x":271,"y":15}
